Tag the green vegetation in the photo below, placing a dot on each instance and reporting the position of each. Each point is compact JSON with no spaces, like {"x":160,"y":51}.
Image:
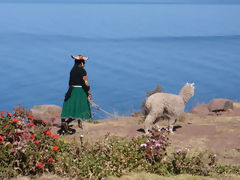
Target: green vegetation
{"x":30,"y":149}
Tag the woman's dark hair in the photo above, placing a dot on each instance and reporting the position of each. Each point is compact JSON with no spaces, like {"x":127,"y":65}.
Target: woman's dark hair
{"x":77,"y":62}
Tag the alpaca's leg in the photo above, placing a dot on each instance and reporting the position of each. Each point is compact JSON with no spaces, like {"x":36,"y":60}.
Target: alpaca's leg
{"x":148,"y":123}
{"x":170,"y":126}
{"x":171,"y":123}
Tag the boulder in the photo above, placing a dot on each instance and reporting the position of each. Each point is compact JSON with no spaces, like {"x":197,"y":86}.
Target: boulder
{"x":201,"y":110}
{"x":48,"y":113}
{"x":217,"y":105}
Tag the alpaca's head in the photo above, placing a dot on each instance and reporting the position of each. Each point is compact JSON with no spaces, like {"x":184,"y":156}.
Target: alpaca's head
{"x":187,"y":92}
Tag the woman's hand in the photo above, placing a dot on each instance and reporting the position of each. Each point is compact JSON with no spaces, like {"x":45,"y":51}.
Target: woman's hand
{"x":89,"y":97}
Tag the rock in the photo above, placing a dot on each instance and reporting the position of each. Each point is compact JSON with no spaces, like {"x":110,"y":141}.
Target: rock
{"x":216,"y":105}
{"x":201,"y":110}
{"x":49,"y":113}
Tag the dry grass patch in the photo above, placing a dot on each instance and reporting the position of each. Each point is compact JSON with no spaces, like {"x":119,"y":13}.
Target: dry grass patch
{"x":148,"y":176}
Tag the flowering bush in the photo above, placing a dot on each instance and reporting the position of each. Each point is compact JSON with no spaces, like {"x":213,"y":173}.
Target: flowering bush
{"x":155,"y":145}
{"x":25,"y":148}
{"x":182,"y":162}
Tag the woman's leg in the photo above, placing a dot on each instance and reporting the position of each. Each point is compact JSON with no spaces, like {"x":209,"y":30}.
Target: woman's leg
{"x":64,"y":125}
{"x":80,"y":123}
{"x":69,"y":120}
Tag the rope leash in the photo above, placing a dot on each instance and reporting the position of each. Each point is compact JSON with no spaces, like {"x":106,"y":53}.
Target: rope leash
{"x":99,"y":108}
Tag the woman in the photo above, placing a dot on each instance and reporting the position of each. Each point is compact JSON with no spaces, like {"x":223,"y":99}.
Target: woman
{"x":76,"y":103}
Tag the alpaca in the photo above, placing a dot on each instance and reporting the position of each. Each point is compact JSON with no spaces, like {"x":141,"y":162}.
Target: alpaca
{"x":165,"y":105}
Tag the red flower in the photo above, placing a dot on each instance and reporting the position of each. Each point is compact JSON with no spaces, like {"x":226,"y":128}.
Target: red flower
{"x":48,"y":133}
{"x":51,"y":159}
{"x":6,"y":125}
{"x":25,"y":134}
{"x":30,"y":116}
{"x":32,"y":136}
{"x":40,"y":165}
{"x":31,"y":124}
{"x":2,"y":114}
{"x":37,"y":143}
{"x":15,"y":120}
{"x":55,"y":136}
{"x":55,"y":148}
{"x":1,"y":139}
{"x":9,"y":114}
{"x":53,"y":119}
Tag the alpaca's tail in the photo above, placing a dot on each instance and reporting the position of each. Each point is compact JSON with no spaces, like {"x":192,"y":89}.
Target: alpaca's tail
{"x":187,"y":92}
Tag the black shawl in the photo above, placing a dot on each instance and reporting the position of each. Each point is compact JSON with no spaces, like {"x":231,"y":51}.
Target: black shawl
{"x":76,"y":78}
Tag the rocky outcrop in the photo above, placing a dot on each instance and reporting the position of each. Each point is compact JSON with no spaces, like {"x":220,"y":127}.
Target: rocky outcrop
{"x":217,"y":107}
{"x":49,"y":113}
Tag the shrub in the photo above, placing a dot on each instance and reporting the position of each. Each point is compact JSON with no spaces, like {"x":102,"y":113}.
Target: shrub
{"x":26,"y":148}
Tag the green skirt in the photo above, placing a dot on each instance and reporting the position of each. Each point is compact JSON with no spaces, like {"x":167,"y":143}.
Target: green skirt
{"x":77,"y":106}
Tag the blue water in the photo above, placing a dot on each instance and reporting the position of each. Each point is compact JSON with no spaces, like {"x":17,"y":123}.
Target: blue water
{"x":132,"y":47}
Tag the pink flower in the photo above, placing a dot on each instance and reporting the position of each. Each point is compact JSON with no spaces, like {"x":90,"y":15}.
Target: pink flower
{"x":157,"y":145}
{"x":143,"y":145}
{"x":178,"y":150}
{"x":8,"y":143}
{"x":31,"y":124}
{"x":12,"y":149}
{"x":214,"y":155}
{"x":9,"y":114}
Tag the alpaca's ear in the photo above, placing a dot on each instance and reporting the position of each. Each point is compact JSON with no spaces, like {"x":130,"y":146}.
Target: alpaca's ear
{"x":192,"y":85}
